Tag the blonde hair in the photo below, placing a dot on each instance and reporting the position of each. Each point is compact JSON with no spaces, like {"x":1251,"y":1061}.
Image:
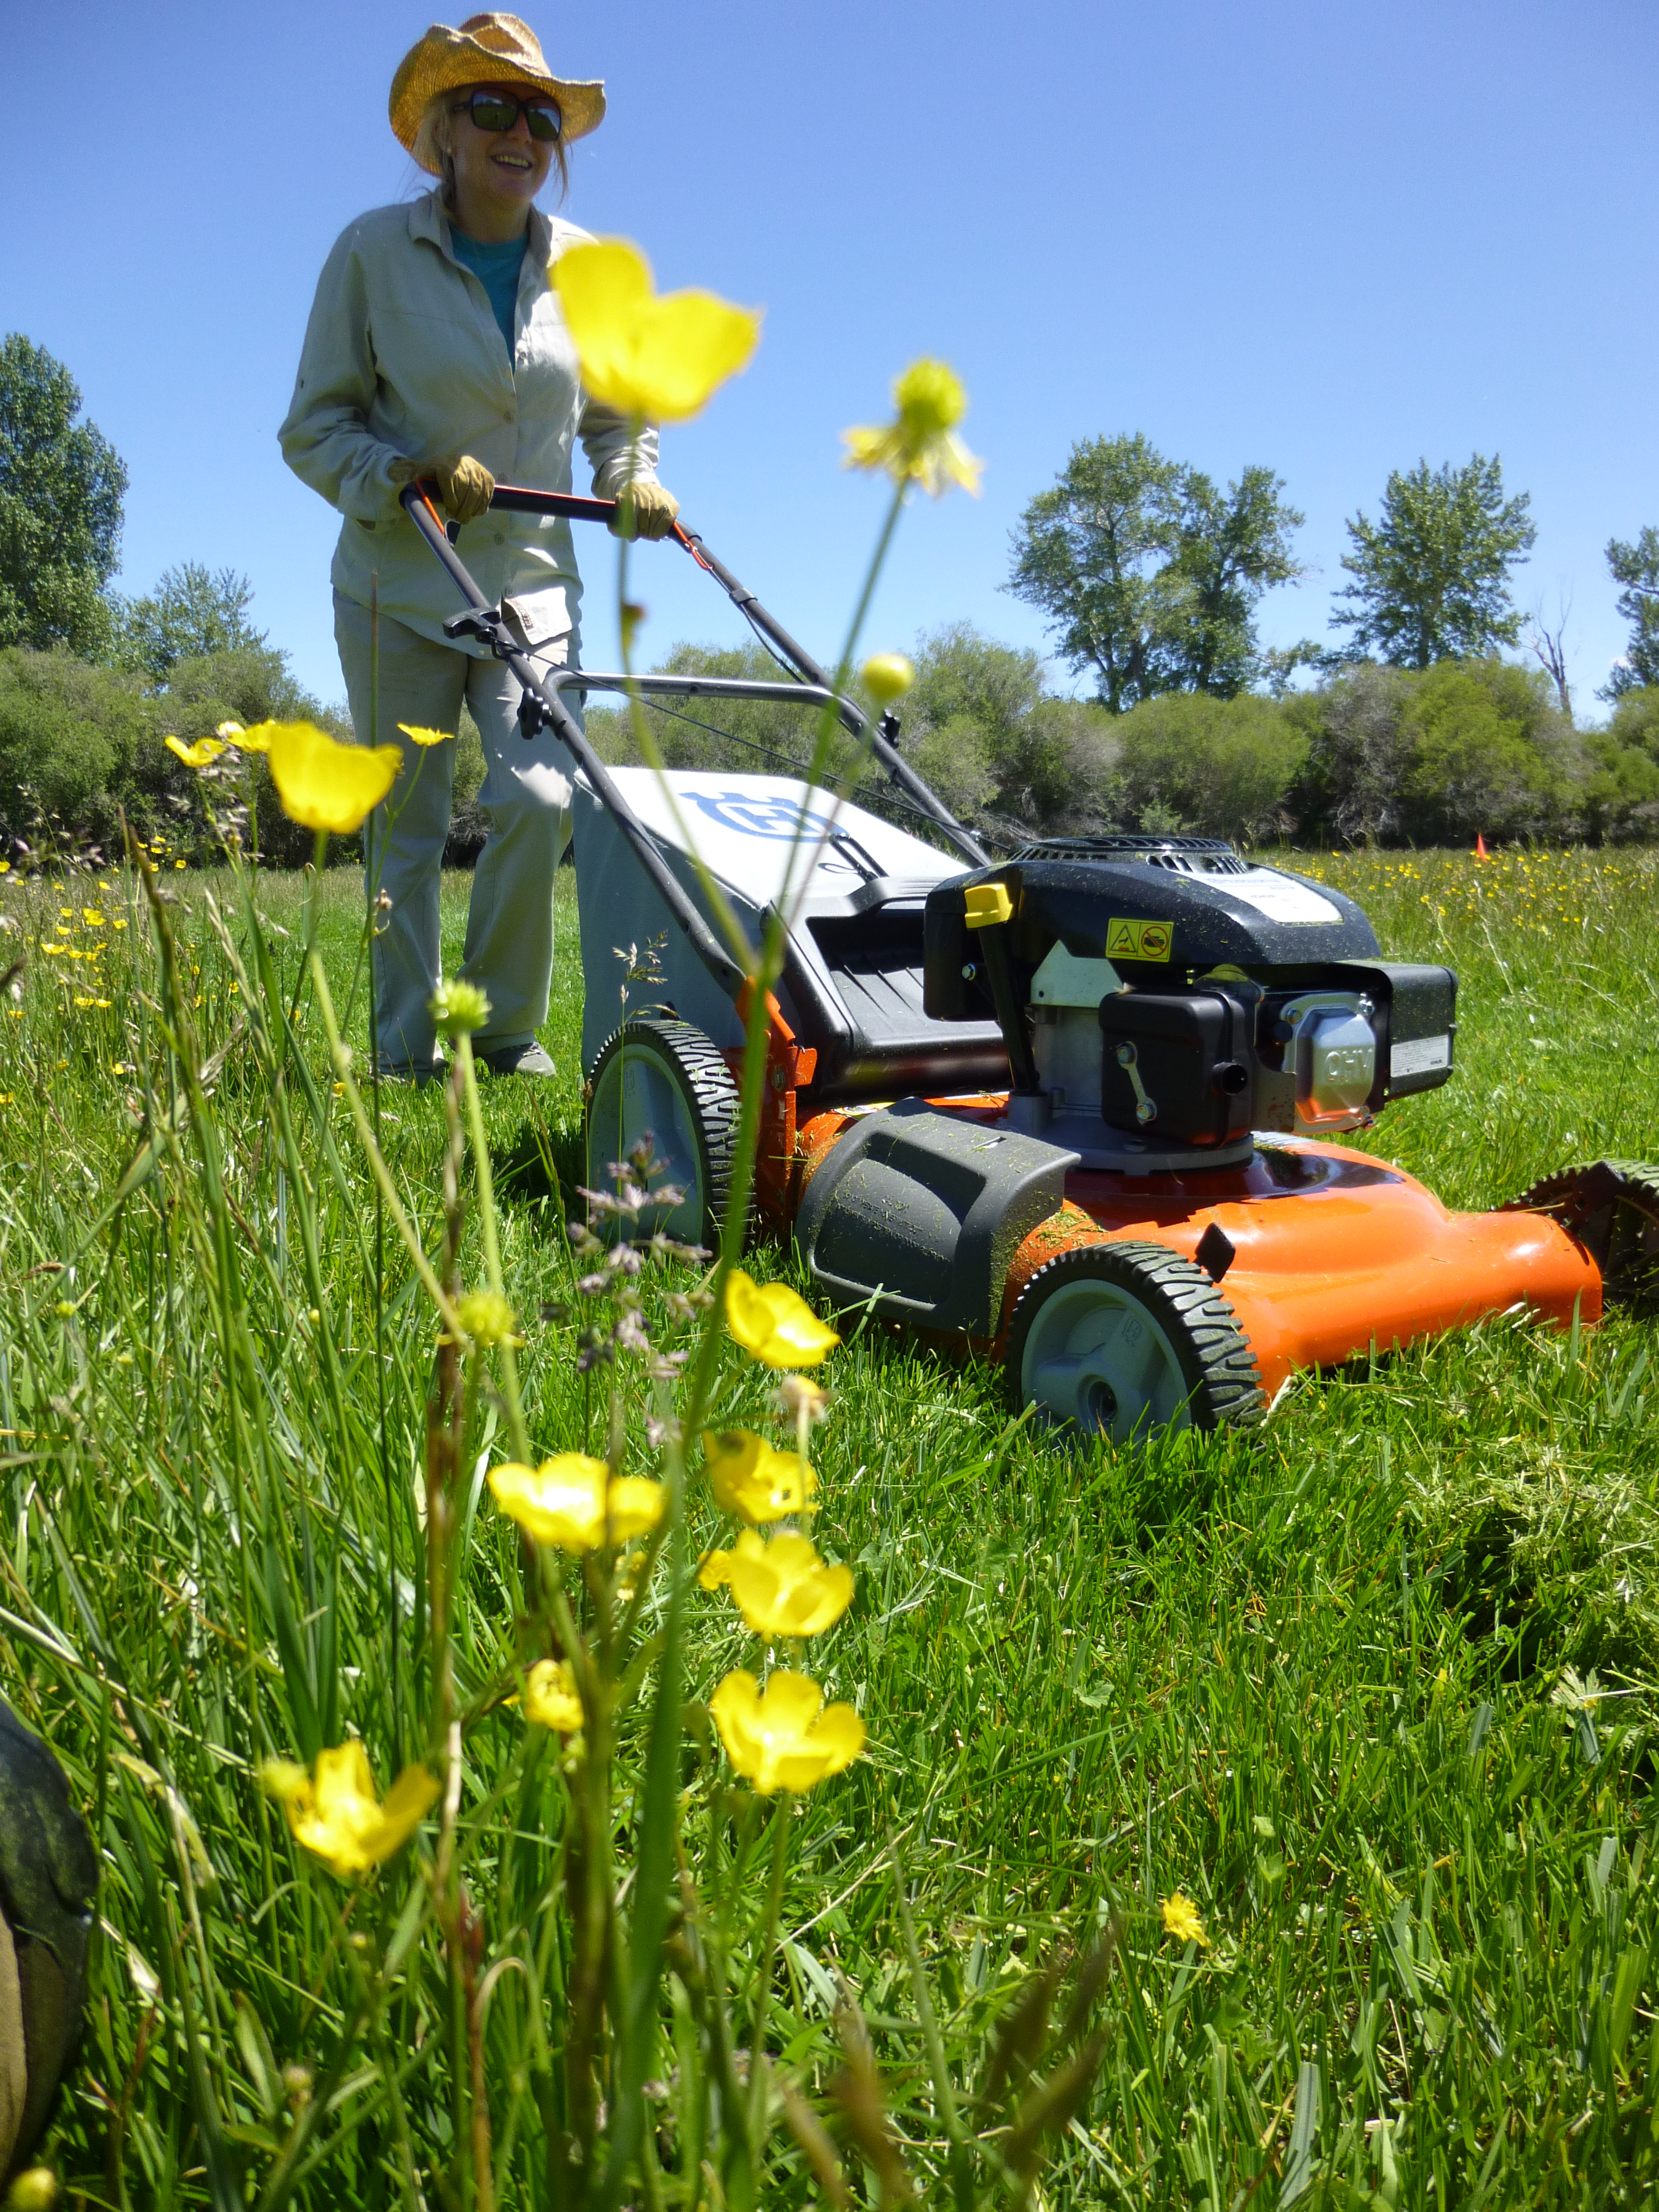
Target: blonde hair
{"x":435,"y":143}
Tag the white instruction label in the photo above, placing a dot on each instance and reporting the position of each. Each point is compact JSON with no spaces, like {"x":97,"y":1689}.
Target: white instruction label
{"x":1418,"y":1055}
{"x":1280,"y":897}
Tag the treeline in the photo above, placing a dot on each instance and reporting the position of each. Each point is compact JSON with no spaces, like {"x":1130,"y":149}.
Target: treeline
{"x":1370,"y":754}
{"x":1412,"y":727}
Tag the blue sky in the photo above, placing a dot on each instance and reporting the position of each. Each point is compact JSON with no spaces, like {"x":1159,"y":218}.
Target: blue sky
{"x":1330,"y":239}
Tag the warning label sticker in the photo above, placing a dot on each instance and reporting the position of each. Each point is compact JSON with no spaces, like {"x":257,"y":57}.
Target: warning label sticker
{"x":1138,"y":941}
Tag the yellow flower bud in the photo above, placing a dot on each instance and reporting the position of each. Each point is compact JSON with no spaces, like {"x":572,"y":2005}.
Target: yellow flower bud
{"x":487,"y":1318}
{"x":459,"y":1008}
{"x":887,"y":677}
{"x":35,"y":2189}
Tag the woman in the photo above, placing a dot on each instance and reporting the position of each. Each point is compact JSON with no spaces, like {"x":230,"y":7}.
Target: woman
{"x":436,"y":347}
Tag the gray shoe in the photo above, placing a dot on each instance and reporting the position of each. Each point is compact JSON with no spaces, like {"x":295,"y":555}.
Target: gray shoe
{"x":407,"y":1072}
{"x":516,"y":1059}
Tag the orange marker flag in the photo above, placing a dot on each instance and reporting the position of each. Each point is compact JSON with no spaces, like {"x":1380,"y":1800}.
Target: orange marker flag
{"x":1481,"y":852}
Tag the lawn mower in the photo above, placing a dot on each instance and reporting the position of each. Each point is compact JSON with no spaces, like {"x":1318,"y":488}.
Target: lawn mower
{"x":1072,"y":1109}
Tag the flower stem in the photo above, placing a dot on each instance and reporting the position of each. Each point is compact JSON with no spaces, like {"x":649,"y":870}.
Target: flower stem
{"x":782,"y":1820}
{"x":515,"y":1420}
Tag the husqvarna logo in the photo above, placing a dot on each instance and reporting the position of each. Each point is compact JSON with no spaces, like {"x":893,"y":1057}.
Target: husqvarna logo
{"x":754,"y":817}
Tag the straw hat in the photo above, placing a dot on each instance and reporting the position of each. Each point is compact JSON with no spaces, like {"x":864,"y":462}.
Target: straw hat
{"x":489,"y":49}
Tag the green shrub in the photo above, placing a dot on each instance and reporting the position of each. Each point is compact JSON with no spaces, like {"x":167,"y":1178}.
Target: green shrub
{"x":1490,"y":751}
{"x":1223,"y":768}
{"x":82,"y":745}
{"x":1635,"y":722}
{"x":78,"y":744}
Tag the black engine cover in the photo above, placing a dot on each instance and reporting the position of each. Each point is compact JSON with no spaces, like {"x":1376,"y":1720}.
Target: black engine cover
{"x":1203,"y":907}
{"x":1192,"y":1054}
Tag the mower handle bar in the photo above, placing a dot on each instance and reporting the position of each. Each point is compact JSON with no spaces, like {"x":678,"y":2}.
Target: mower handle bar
{"x":516,"y":499}
{"x":543,"y":702}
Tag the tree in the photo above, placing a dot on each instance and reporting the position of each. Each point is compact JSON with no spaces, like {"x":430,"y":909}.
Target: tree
{"x":1431,"y":579}
{"x":982,"y":722}
{"x":60,"y":483}
{"x":189,"y":613}
{"x":1550,"y":647}
{"x":1150,"y":574}
{"x":1636,"y":565}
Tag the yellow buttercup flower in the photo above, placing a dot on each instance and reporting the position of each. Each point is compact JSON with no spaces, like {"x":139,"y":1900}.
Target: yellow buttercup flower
{"x":336,"y":1813}
{"x":232,"y":732}
{"x":420,"y":736}
{"x":920,"y":445}
{"x":487,"y":1318}
{"x":887,"y":677}
{"x":459,"y":1006}
{"x":550,"y":1696}
{"x":324,"y":785}
{"x":198,"y":755}
{"x":256,"y":738}
{"x":659,"y":358}
{"x":784,"y":1737}
{"x":772,"y":1324}
{"x":92,"y":917}
{"x":781,"y":1588}
{"x":752,"y":1479}
{"x":574,"y":1502}
{"x":1181,"y":1920}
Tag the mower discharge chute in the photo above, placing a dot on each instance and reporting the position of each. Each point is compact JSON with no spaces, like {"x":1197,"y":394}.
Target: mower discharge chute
{"x":1075,"y":1107}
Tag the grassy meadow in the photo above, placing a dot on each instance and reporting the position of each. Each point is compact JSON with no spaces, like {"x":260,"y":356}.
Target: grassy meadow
{"x":1372,"y":1689}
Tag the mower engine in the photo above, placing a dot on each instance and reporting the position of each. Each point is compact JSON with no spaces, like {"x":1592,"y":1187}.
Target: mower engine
{"x":1229,"y":998}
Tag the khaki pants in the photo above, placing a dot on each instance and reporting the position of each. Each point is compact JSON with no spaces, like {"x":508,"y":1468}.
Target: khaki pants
{"x":526,"y":789}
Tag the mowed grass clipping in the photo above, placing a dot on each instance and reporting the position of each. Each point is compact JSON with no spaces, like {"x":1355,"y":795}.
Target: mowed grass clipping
{"x":1373,"y":1691}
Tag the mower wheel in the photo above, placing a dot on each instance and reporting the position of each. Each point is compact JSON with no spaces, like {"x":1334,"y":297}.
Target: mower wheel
{"x":1119,"y":1341}
{"x":664,"y":1079}
{"x":1612,"y":1209}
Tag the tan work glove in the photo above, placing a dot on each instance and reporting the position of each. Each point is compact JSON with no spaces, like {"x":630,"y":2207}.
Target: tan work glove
{"x":654,"y":510}
{"x":465,"y":486}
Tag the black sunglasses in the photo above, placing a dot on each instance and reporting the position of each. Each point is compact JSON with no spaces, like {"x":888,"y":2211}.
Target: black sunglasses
{"x":499,"y":111}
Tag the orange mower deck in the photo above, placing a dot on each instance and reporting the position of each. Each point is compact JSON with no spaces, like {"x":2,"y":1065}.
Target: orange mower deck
{"x":1334,"y":1254}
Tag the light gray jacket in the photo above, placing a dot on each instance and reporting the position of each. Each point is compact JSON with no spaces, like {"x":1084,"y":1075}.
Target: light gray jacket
{"x":403,"y":360}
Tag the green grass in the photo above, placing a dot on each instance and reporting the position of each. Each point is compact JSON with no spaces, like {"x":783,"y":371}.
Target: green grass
{"x":1317,"y":1682}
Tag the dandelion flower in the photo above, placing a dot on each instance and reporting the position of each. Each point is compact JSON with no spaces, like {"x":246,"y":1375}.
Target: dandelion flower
{"x":659,"y":358}
{"x":772,"y":1324}
{"x":574,"y":1502}
{"x":550,"y":1696}
{"x":1181,"y":1920}
{"x":417,"y":736}
{"x":752,"y":1479}
{"x":324,"y":785}
{"x":336,"y":1813}
{"x":198,"y":755}
{"x":781,"y":1588}
{"x":920,"y":445}
{"x":784,"y":1737}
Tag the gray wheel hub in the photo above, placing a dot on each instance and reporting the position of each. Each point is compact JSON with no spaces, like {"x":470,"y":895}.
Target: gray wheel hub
{"x":639,"y":1090}
{"x":1096,"y":1357}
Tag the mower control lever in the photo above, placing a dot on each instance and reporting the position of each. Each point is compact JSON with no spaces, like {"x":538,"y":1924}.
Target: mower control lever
{"x":486,"y":625}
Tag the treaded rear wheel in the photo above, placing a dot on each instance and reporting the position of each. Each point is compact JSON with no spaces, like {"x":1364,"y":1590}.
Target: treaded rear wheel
{"x":1612,"y":1207}
{"x":664,"y":1078}
{"x":1120,"y":1341}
